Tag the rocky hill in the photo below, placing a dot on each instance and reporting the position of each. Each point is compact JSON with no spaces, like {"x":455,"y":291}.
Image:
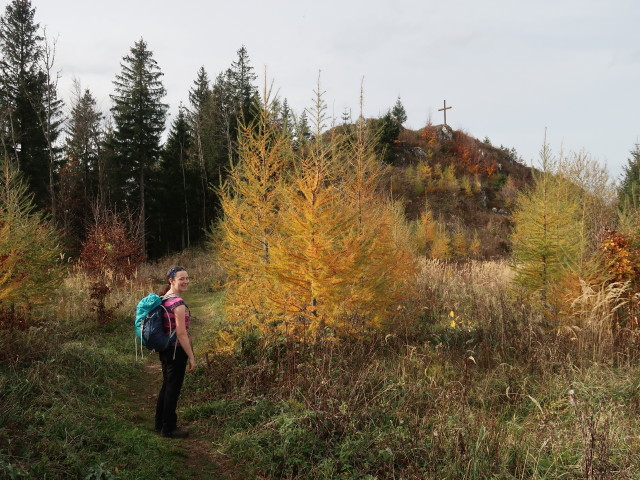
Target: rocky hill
{"x":467,"y":185}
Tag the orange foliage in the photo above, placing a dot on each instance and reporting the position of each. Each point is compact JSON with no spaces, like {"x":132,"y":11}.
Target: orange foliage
{"x":111,"y":245}
{"x":622,"y":259}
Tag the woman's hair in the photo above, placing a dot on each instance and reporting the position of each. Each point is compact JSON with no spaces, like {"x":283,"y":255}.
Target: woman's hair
{"x":171,"y":274}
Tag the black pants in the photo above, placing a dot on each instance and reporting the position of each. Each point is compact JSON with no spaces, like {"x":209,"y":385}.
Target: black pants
{"x":172,"y":377}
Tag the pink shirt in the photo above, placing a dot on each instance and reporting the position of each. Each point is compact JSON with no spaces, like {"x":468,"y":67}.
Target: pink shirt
{"x":169,"y":322}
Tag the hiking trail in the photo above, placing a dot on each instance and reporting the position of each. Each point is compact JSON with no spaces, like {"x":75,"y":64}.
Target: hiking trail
{"x":199,"y":451}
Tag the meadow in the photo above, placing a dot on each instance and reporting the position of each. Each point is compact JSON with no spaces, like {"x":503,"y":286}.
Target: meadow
{"x":470,"y":382}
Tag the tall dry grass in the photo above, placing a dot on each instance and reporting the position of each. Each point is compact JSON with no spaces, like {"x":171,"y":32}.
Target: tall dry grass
{"x":488,"y":398}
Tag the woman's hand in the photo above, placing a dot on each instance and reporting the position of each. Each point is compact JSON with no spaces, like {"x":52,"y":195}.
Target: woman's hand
{"x":192,"y":364}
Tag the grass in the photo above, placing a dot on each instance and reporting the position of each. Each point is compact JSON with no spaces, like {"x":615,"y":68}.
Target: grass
{"x":63,"y":415}
{"x":500,"y":395}
{"x":72,"y":404}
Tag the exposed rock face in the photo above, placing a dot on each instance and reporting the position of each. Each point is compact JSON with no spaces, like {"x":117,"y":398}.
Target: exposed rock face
{"x":444,"y":133}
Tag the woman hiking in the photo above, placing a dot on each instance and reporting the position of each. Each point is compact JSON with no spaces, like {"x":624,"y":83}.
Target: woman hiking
{"x":174,"y":359}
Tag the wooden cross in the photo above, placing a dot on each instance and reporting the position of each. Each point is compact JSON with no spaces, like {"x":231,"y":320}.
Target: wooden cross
{"x":444,"y":109}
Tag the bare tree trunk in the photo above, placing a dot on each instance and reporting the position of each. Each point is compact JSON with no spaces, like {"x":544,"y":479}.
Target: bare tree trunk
{"x":186,"y":201}
{"x":203,"y":173}
{"x":49,"y":58}
{"x":143,"y":212}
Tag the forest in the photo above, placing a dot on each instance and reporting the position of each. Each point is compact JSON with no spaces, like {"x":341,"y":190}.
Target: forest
{"x":368,"y":301}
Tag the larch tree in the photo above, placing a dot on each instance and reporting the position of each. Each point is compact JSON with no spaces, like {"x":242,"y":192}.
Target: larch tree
{"x":139,"y":119}
{"x":547,"y":245}
{"x":311,"y":250}
{"x":250,"y":206}
{"x":26,"y":234}
{"x":314,"y":246}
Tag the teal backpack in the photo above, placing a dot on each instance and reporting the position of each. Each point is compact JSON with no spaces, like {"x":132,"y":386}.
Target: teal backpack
{"x":148,"y":325}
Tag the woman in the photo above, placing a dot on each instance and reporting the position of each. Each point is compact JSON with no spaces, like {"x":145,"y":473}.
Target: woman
{"x":174,"y":359}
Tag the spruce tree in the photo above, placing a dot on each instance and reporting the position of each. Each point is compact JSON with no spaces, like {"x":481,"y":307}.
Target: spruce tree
{"x":629,"y":193}
{"x":243,"y":79}
{"x":398,"y":113}
{"x":139,"y":117}
{"x":80,"y":175}
{"x":29,"y":109}
{"x":208,"y":148}
{"x":175,"y":208}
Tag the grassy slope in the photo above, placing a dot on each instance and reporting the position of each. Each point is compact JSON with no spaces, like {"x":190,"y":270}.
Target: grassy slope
{"x":76,"y":404}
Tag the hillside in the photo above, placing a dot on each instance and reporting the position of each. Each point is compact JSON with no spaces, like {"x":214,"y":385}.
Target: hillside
{"x":468,"y":185}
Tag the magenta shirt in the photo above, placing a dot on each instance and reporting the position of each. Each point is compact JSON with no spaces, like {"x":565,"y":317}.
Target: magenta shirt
{"x":169,"y":322}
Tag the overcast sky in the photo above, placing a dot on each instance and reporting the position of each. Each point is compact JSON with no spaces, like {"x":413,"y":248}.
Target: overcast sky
{"x":508,"y":68}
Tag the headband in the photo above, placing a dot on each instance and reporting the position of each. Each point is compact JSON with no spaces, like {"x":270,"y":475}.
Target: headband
{"x":173,"y":271}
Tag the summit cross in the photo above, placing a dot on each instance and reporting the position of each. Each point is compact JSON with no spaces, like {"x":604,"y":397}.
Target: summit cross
{"x":444,"y":109}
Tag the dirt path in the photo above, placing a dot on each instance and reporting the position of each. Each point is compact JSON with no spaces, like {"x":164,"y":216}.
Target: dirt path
{"x":199,"y":451}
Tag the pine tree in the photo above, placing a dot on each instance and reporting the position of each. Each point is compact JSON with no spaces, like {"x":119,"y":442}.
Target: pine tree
{"x":29,"y":110}
{"x":139,"y":117}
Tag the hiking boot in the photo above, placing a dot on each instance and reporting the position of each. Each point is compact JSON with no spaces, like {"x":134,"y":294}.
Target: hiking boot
{"x":176,"y":433}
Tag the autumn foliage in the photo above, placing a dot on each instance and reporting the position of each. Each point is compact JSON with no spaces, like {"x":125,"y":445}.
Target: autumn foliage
{"x":112,"y":249}
{"x":311,"y":245}
{"x":30,"y":256}
{"x":111,"y":245}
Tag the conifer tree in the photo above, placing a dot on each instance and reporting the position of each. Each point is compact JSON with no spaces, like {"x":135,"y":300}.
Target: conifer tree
{"x":206,"y":146}
{"x":318,"y":247}
{"x":29,"y":110}
{"x":629,"y":193}
{"x":250,"y":205}
{"x":173,"y":209}
{"x":459,"y":244}
{"x":139,"y":118}
{"x":245,"y":92}
{"x":547,"y":246}
{"x":80,"y":173}
{"x":26,"y":234}
{"x":475,"y":247}
{"x":398,"y":113}
{"x":425,"y":232}
{"x":441,"y":245}
{"x":302,"y":130}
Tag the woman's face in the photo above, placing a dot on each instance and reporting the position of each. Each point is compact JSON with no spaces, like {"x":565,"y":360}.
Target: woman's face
{"x":180,"y":281}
